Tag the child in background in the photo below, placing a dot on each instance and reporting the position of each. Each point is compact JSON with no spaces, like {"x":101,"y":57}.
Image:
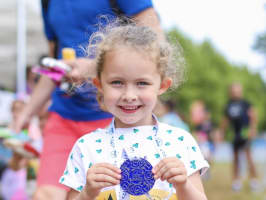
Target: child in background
{"x":202,"y":128}
{"x":21,"y":168}
{"x":165,"y":111}
{"x":13,"y":181}
{"x":134,"y":67}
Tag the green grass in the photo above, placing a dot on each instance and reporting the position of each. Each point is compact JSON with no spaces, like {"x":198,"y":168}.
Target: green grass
{"x":218,"y":187}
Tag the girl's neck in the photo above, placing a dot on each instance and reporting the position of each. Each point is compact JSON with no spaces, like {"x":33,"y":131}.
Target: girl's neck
{"x":119,"y":124}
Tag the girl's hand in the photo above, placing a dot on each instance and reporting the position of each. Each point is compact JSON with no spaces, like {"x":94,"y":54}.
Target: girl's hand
{"x":172,"y":170}
{"x":99,"y":176}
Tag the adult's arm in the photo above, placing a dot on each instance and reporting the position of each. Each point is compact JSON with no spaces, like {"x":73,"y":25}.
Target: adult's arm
{"x":223,"y":126}
{"x":253,"y":122}
{"x":148,"y":17}
{"x":39,"y":97}
{"x":51,"y":48}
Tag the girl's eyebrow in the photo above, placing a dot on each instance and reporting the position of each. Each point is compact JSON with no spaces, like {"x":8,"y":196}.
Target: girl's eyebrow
{"x":144,"y":79}
{"x":115,"y":77}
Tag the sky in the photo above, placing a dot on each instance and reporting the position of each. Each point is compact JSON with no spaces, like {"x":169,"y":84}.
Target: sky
{"x":231,"y":26}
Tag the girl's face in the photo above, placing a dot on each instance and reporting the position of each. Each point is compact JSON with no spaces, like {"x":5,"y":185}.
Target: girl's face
{"x":130,"y":84}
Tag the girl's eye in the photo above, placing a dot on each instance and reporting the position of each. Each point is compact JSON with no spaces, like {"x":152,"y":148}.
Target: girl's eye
{"x":142,"y":83}
{"x":116,"y":82}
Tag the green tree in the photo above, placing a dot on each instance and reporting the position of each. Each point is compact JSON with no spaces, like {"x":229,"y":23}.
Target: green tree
{"x":209,"y":75}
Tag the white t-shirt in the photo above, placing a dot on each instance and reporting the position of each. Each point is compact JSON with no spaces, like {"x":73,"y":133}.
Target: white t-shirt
{"x":150,"y":142}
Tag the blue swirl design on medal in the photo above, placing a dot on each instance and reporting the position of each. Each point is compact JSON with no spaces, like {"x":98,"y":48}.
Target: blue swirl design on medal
{"x":137,"y":177}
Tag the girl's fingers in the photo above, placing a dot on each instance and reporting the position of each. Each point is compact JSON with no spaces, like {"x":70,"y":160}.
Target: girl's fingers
{"x":164,"y":165}
{"x":173,"y":172}
{"x":100,"y":185}
{"x":107,"y":165}
{"x":95,"y":186}
{"x":166,"y":169}
{"x":108,"y":172}
{"x":103,"y":172}
{"x":177,"y":179}
{"x":106,"y":179}
{"x":164,"y":162}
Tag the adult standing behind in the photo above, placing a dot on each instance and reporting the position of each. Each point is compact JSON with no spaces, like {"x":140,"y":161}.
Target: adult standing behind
{"x":241,"y":116}
{"x":70,"y":24}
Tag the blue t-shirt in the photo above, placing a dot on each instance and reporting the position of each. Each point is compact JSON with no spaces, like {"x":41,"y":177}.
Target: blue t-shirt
{"x":72,"y":23}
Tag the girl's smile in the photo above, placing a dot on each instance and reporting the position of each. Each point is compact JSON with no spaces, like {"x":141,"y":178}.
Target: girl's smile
{"x":129,"y":109}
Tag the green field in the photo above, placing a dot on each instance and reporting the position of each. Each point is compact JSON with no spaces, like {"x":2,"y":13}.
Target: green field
{"x":218,"y":187}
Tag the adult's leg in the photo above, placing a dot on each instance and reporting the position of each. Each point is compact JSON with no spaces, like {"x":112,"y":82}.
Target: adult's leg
{"x":236,"y":183}
{"x":236,"y":171}
{"x":253,"y":183}
{"x":251,"y":165}
{"x":57,"y":143}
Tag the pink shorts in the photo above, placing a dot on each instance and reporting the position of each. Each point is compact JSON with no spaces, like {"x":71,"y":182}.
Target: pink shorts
{"x":59,"y":136}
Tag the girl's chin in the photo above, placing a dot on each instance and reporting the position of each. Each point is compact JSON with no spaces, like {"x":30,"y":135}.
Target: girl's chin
{"x":129,"y":122}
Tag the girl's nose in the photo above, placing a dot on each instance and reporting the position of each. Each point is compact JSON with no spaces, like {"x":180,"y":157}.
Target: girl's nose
{"x":129,"y":95}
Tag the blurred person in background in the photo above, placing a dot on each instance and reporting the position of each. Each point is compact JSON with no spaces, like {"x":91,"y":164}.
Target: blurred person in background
{"x":242,"y":118}
{"x":202,"y":127}
{"x":6,"y":99}
{"x":13,"y":181}
{"x":70,"y":24}
{"x":26,"y":147}
{"x":165,"y":111}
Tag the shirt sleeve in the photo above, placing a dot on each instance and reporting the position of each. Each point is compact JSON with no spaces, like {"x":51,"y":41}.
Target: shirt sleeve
{"x":133,"y":7}
{"x":75,"y":174}
{"x":196,"y":160}
{"x":50,"y":35}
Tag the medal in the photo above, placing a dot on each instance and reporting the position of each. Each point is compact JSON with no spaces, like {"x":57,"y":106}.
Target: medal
{"x":137,"y":177}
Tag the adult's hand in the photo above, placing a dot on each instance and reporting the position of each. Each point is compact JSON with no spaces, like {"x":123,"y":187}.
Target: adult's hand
{"x":41,"y":94}
{"x":82,"y":70}
{"x":21,"y":122}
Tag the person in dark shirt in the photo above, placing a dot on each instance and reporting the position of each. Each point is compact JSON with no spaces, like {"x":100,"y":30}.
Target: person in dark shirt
{"x":241,"y":116}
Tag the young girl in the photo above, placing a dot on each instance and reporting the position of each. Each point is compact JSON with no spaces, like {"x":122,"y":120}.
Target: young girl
{"x":134,"y":67}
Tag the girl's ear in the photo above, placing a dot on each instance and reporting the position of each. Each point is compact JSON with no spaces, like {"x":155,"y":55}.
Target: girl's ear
{"x":97,"y":84}
{"x":165,"y":85}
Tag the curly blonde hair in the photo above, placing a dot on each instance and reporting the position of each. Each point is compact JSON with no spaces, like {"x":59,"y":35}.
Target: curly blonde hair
{"x":168,"y":58}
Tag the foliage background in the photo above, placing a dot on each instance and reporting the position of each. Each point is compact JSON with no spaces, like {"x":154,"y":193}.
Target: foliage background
{"x":208,"y":77}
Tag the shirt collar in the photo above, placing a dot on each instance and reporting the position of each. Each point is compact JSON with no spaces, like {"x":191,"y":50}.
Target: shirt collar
{"x":111,"y":128}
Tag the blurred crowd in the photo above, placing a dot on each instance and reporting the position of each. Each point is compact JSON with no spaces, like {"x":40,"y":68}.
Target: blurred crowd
{"x":19,"y":152}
